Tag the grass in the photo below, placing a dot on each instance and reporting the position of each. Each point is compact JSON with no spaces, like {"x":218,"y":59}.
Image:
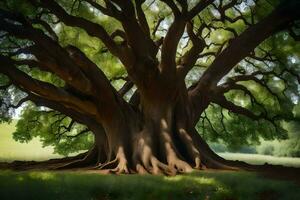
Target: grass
{"x":12,"y":150}
{"x":81,"y":185}
{"x":195,"y":186}
{"x":262,"y":159}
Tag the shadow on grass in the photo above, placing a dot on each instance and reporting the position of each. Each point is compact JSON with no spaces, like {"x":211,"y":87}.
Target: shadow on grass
{"x":198,"y":185}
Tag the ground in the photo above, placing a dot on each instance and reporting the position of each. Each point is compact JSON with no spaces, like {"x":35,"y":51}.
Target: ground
{"x":258,"y":159}
{"x":198,"y":185}
{"x":207,"y":185}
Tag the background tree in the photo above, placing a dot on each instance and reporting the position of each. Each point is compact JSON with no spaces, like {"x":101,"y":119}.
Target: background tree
{"x":139,"y":75}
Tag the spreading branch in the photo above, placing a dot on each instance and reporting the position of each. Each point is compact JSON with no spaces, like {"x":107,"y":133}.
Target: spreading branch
{"x":91,"y":28}
{"x":249,"y":39}
{"x":41,"y":88}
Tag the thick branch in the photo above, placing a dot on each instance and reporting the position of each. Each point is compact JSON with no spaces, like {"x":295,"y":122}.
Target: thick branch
{"x":43,"y":89}
{"x":142,"y":18}
{"x":188,"y":60}
{"x":174,"y":34}
{"x":223,"y":102}
{"x":125,"y":88}
{"x":198,"y":8}
{"x":248,"y":40}
{"x":109,"y":10}
{"x":91,"y":28}
{"x":169,"y":46}
{"x":241,"y":47}
{"x":47,"y":27}
{"x":54,"y":57}
{"x":173,"y":7}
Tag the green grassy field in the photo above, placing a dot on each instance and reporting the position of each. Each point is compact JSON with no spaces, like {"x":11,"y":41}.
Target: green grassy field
{"x":12,"y":150}
{"x":196,"y":186}
{"x":81,"y":185}
{"x":262,"y":159}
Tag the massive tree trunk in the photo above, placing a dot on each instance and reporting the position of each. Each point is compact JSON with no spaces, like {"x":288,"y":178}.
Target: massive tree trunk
{"x":157,"y":136}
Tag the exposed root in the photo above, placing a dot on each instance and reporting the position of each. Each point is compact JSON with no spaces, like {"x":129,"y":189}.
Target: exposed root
{"x":121,"y":167}
{"x":109,"y":164}
{"x":120,"y":163}
{"x":157,"y":167}
{"x":190,"y":147}
{"x":74,"y":164}
{"x":150,"y":164}
{"x":88,"y":160}
{"x":174,"y":162}
{"x":180,"y":166}
{"x":161,"y":168}
{"x":47,"y":164}
{"x":146,"y":160}
{"x":140,"y":169}
{"x":197,"y":163}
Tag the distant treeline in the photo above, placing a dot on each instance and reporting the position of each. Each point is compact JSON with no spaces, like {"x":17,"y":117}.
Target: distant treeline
{"x":286,"y":148}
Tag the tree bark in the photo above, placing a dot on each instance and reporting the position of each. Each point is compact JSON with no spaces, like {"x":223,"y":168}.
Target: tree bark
{"x":160,"y":138}
{"x":157,"y":138}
